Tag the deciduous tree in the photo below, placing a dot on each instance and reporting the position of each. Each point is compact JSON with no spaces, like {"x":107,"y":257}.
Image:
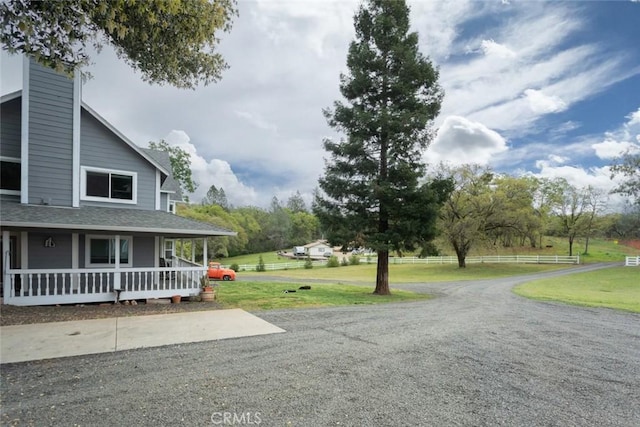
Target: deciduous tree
{"x":627,"y":166}
{"x":470,"y":208}
{"x":180,"y":164}
{"x":170,"y":42}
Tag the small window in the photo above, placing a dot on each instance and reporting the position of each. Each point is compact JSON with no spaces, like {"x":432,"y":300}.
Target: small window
{"x":108,"y":185}
{"x":10,"y":176}
{"x":101,"y":251}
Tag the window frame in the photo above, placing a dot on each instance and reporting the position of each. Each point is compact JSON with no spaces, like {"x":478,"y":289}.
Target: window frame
{"x":87,"y":250}
{"x":8,"y":159}
{"x":109,"y":172}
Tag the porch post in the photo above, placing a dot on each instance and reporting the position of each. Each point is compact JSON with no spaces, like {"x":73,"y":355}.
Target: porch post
{"x":75,"y":263}
{"x":6,"y":277}
{"x":205,"y":260}
{"x":193,"y":251}
{"x":116,"y":272}
{"x":158,"y":243}
{"x":24,"y":249}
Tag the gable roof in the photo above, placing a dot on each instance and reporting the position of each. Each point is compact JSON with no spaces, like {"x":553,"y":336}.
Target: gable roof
{"x":98,"y":218}
{"x":170,"y":185}
{"x":317,"y":243}
{"x":99,"y":118}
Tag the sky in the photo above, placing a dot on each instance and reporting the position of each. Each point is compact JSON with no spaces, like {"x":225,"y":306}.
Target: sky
{"x":549,"y":89}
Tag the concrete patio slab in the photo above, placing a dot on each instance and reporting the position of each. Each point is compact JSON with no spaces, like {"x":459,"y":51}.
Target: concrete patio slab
{"x":158,"y":330}
{"x":21,"y":343}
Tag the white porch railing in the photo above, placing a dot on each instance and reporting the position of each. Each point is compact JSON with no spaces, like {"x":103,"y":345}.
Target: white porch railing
{"x":632,"y":261}
{"x":69,"y":286}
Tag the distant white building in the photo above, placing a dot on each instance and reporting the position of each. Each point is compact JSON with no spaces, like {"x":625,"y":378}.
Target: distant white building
{"x":319,"y":248}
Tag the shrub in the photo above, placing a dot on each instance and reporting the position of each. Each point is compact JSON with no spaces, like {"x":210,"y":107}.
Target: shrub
{"x":308,"y":264}
{"x":260,"y":266}
{"x":333,"y":262}
{"x":235,"y":267}
{"x":354,"y":260}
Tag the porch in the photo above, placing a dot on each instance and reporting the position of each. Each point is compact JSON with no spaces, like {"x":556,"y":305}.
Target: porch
{"x":75,"y":286}
{"x":59,"y":255}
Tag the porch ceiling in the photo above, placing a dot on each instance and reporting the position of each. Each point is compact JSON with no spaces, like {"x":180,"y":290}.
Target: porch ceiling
{"x":94,"y":218}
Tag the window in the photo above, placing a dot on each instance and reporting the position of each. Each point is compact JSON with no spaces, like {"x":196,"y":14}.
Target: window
{"x":10,"y":175}
{"x":106,"y":185}
{"x":169,"y":248}
{"x":100,"y":251}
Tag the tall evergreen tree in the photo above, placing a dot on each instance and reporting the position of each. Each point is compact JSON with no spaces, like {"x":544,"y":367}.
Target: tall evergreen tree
{"x":371,"y":184}
{"x":216,"y":196}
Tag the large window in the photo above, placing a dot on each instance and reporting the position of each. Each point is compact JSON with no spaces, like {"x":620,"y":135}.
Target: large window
{"x":108,"y":185}
{"x":10,"y":175}
{"x":100,"y":251}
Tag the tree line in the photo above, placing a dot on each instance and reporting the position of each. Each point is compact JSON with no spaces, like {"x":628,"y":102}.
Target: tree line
{"x":481,"y":209}
{"x":280,"y":226}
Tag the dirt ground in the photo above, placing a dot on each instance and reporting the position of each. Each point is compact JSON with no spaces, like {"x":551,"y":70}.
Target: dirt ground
{"x":14,"y":315}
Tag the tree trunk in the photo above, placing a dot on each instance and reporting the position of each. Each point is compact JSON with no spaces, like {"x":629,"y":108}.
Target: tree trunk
{"x":462,"y":259}
{"x":382,"y":275}
{"x":570,"y":246}
{"x":586,"y":245}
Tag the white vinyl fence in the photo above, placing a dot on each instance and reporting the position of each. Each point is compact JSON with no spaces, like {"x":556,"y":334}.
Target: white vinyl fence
{"x":632,"y":261}
{"x":494,"y":259}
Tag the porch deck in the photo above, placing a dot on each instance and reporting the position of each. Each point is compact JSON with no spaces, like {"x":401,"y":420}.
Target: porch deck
{"x":74,"y":286}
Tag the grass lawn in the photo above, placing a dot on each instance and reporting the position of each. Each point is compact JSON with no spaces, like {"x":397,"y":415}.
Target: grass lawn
{"x":410,"y":273}
{"x":270,"y":295}
{"x":617,"y":287}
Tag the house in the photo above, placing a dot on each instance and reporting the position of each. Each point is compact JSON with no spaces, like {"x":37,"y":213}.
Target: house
{"x":318,"y":249}
{"x":85,"y":214}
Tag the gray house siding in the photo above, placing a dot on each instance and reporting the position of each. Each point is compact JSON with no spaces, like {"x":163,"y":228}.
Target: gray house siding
{"x":144,"y":253}
{"x":164,"y":200}
{"x":101,"y":148}
{"x":49,"y":257}
{"x":50,"y":136}
{"x":10,"y":127}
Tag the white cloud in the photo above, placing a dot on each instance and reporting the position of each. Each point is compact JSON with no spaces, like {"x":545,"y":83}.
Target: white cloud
{"x":609,"y":149}
{"x":212,"y":172}
{"x":541,"y":103}
{"x":634,"y":118}
{"x":616,"y":142}
{"x":491,"y":48}
{"x":531,"y":52}
{"x":461,"y":141}
{"x":257,"y":121}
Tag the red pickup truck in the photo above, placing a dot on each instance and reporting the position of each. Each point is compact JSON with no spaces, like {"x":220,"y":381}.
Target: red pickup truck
{"x":217,"y":272}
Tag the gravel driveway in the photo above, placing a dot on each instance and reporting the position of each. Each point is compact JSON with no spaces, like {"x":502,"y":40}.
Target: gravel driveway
{"x":477,"y":355}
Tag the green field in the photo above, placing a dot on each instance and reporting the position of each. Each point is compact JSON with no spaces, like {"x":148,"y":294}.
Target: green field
{"x":617,"y":287}
{"x":270,"y":295}
{"x":410,"y":273}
